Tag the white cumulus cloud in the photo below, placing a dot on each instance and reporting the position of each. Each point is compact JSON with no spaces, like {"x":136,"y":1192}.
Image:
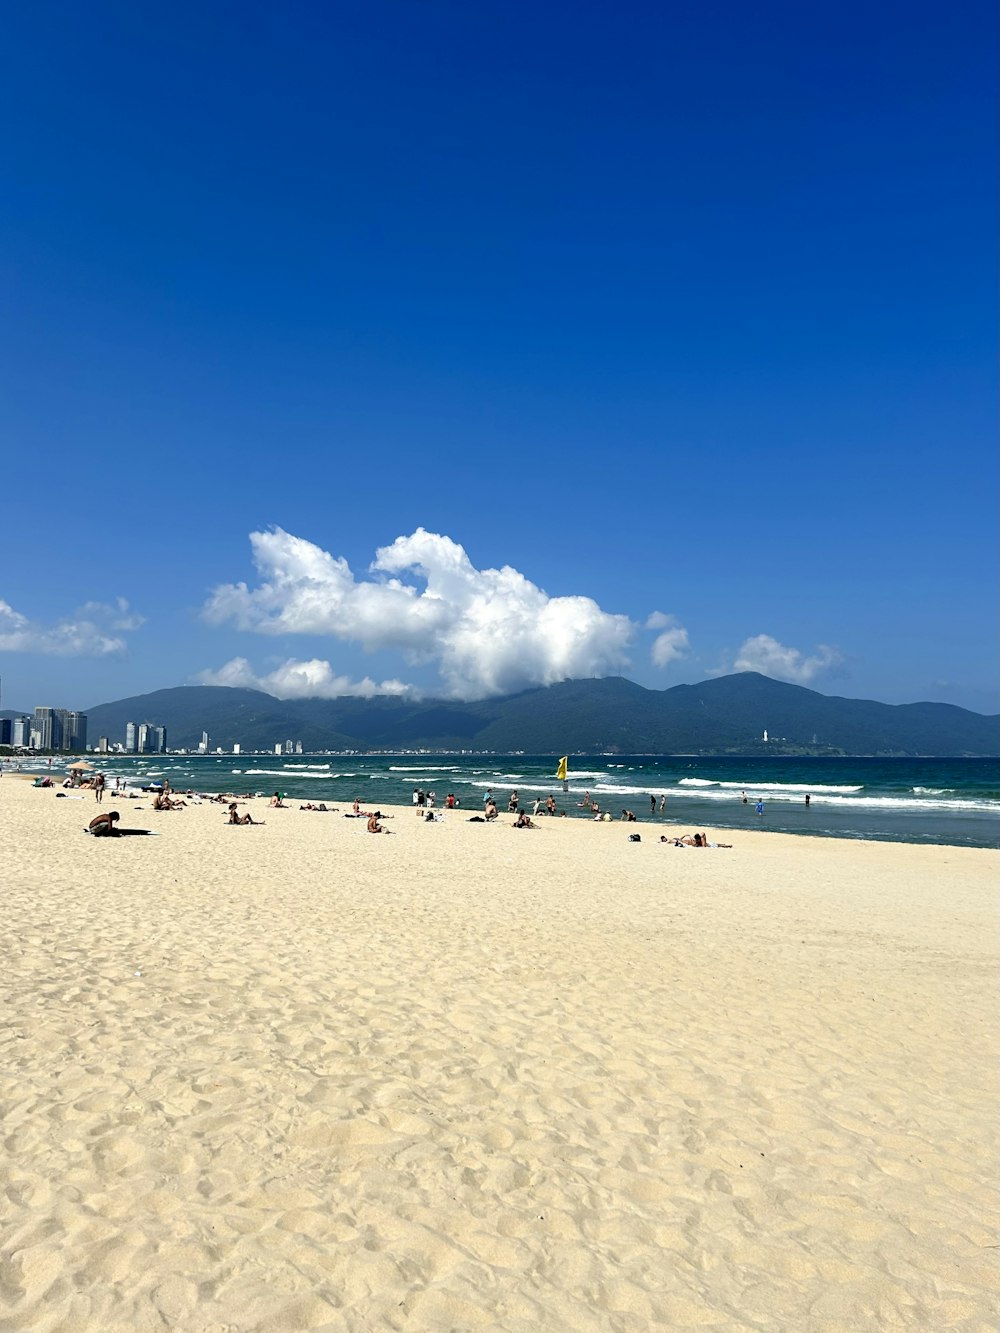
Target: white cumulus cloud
{"x":118,"y":615}
{"x":93,"y":631}
{"x":314,"y":679}
{"x":671,"y":643}
{"x":771,"y":658}
{"x":490,"y":631}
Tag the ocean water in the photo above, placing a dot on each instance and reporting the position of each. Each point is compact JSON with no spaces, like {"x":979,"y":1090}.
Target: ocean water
{"x":950,"y":801}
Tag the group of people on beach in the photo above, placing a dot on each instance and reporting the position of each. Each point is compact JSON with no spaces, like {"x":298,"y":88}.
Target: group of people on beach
{"x":426,"y":800}
{"x":588,"y":803}
{"x":164,"y":799}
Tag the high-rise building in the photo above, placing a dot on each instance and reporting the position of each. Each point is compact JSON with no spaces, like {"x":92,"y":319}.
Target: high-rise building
{"x":6,"y":730}
{"x":103,"y":745}
{"x":21,"y":732}
{"x":74,"y":729}
{"x":236,"y":748}
{"x":46,"y":729}
{"x":204,"y":743}
{"x":152,"y":739}
{"x":131,"y":737}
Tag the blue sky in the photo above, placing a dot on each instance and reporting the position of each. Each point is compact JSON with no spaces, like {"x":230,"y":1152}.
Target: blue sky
{"x":678,"y":311}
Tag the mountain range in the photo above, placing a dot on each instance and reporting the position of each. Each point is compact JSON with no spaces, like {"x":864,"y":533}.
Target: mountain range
{"x":728,"y":714}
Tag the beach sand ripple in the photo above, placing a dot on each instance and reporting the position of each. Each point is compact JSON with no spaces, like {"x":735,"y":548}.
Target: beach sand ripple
{"x":466,"y":1077}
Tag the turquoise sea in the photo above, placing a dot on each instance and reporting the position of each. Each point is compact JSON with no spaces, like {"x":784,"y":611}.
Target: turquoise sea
{"x":951,"y":801}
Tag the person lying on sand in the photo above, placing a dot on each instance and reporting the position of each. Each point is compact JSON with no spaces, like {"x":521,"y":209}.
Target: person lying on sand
{"x":236,"y":818}
{"x":693,"y":840}
{"x":322,"y":808}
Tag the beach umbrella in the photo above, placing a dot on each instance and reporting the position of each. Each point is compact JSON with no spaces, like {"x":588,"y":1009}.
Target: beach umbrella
{"x":81,"y":763}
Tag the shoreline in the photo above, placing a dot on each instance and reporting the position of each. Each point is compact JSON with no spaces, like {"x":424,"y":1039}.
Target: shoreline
{"x":671,"y":826}
{"x":944,"y":803}
{"x":468,"y":1076}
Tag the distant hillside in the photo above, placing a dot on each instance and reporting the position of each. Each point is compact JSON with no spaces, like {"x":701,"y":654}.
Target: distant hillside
{"x":230,"y":716}
{"x":728,"y":714}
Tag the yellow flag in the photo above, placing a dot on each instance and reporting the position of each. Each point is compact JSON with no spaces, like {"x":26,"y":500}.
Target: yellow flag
{"x":561,"y":770}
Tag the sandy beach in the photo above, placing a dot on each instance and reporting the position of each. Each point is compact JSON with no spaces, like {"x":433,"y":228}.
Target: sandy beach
{"x":470,"y":1077}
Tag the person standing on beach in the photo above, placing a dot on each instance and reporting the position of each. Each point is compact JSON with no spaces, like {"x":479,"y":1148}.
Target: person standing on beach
{"x":808,"y":799}
{"x":663,"y":804}
{"x":652,"y":805}
{"x":760,"y":806}
{"x":99,"y":788}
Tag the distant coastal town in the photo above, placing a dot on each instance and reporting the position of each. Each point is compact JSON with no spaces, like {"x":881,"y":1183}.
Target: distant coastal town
{"x":66,"y":730}
{"x":63,"y":729}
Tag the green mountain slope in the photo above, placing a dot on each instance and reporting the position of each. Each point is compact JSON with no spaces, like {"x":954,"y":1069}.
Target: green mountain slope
{"x":581,"y":716}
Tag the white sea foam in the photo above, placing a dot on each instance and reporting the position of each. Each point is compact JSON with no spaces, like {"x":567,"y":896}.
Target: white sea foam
{"x":423,"y":768}
{"x":790,"y":797}
{"x":908,"y":803}
{"x":788,"y":787}
{"x":298,"y":777}
{"x":766,"y":786}
{"x":613,"y":788}
{"x":932,"y":791}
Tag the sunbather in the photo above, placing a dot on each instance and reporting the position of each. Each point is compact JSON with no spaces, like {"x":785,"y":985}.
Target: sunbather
{"x":236,"y":818}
